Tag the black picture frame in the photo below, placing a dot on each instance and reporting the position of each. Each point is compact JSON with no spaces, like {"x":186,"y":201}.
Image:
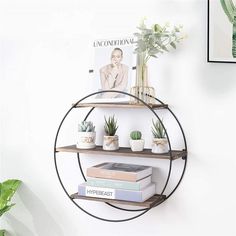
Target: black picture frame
{"x":210,"y":59}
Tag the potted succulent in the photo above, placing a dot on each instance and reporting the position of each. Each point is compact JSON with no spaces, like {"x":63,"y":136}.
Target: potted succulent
{"x":86,"y":135}
{"x":7,"y":190}
{"x":110,"y":140}
{"x":136,"y":143}
{"x":159,"y":142}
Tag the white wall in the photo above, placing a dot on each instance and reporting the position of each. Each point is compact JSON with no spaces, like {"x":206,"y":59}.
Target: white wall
{"x":44,"y":62}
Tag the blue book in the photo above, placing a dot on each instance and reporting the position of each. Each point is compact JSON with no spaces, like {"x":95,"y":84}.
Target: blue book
{"x":119,"y":184}
{"x":118,"y":194}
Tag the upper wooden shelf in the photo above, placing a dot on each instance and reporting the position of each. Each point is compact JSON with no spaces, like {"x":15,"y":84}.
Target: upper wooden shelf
{"x":124,"y":151}
{"x":121,"y":105}
{"x":154,"y":200}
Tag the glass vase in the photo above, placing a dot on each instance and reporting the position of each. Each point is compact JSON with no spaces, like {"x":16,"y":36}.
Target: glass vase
{"x":142,"y":90}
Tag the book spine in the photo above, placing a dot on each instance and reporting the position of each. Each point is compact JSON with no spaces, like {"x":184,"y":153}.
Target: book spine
{"x":119,"y":194}
{"x":90,"y":191}
{"x":109,"y":174}
{"x":114,"y":184}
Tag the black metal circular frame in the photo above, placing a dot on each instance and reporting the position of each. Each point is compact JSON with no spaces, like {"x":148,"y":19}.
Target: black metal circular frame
{"x":144,"y":210}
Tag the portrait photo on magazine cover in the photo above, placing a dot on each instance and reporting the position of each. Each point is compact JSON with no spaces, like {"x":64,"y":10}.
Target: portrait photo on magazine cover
{"x":113,"y":63}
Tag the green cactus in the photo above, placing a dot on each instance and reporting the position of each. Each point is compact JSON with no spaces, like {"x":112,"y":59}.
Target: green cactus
{"x":158,"y":130}
{"x":110,"y":126}
{"x":136,"y":135}
{"x":86,"y":126}
{"x":230,"y":11}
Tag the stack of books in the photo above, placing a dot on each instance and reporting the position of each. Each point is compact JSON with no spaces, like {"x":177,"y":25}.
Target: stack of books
{"x":118,"y":181}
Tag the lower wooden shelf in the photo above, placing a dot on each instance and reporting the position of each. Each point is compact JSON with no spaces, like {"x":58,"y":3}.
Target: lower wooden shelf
{"x":152,"y":201}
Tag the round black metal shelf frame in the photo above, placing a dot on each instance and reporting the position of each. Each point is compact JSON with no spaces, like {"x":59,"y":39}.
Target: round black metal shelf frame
{"x":144,"y":210}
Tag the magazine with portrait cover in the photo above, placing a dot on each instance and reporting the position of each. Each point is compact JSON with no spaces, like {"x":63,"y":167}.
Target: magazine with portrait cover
{"x":114,"y":60}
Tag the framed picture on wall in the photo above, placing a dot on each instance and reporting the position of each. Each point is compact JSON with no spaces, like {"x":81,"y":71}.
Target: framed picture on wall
{"x":221,"y":31}
{"x":113,"y":68}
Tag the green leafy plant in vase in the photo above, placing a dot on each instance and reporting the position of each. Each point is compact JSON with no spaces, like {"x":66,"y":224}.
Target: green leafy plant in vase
{"x":7,"y":190}
{"x":110,"y":140}
{"x":150,"y":42}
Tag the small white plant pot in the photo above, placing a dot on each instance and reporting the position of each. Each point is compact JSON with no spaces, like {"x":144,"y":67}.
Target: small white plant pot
{"x":86,"y":140}
{"x":160,"y":145}
{"x":111,"y":143}
{"x":136,"y":145}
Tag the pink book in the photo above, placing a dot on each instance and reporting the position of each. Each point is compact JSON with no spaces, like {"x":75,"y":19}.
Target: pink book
{"x":119,"y":171}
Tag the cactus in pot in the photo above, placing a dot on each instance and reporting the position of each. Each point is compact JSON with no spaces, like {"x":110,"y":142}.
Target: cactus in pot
{"x":159,"y":142}
{"x":111,"y":140}
{"x":136,"y":141}
{"x":136,"y":135}
{"x":86,"y":135}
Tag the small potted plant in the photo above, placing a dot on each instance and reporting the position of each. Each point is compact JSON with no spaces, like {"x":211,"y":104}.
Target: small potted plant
{"x":86,"y":135}
{"x":136,"y":143}
{"x":110,"y":141}
{"x":159,"y":142}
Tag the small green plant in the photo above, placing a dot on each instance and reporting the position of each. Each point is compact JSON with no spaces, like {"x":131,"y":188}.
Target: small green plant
{"x":110,"y":126}
{"x":7,"y":190}
{"x":136,"y":135}
{"x":158,"y":130}
{"x":86,"y":126}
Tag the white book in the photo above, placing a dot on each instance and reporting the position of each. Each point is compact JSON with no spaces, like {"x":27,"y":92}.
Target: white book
{"x":118,"y":194}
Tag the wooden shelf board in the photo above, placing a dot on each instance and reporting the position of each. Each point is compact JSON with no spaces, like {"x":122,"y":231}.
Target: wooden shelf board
{"x":121,"y":105}
{"x":148,"y":203}
{"x":123,"y":151}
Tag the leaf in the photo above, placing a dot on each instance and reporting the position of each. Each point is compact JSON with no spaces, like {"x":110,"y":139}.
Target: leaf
{"x":154,"y":51}
{"x":7,"y":190}
{"x":164,"y":48}
{"x":176,"y":29}
{"x":2,"y":232}
{"x":173,"y":45}
{"x":6,"y":208}
{"x":157,"y":28}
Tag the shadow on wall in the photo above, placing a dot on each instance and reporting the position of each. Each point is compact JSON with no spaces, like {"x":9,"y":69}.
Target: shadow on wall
{"x":43,"y":222}
{"x":218,"y":78}
{"x":18,"y":228}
